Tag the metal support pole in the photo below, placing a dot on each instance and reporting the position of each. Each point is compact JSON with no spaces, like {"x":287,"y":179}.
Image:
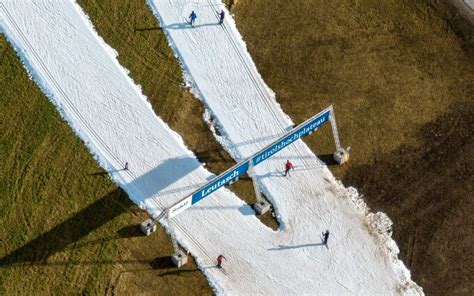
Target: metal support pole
{"x":179,"y":258}
{"x":261,"y":206}
{"x":332,"y":119}
{"x":256,"y":187}
{"x":341,"y":155}
{"x":173,"y":237}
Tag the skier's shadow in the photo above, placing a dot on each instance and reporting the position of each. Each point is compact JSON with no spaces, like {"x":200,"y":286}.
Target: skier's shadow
{"x":211,"y":267}
{"x":283,"y":247}
{"x":276,"y":173}
{"x":147,"y":29}
{"x":106,"y":172}
{"x":182,"y":26}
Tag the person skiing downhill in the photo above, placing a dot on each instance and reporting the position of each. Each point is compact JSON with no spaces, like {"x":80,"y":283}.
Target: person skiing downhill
{"x":192,"y":17}
{"x":221,"y":16}
{"x":288,"y":167}
{"x":219,"y":260}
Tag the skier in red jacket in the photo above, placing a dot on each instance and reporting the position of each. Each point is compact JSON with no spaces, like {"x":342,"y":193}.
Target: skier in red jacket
{"x":219,"y":260}
{"x":288,"y":167}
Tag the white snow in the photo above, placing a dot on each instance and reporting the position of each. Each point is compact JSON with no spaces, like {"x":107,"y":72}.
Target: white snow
{"x":81,"y":76}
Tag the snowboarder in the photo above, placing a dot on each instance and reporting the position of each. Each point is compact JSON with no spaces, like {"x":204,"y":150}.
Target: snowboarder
{"x":126,"y":167}
{"x":221,"y":16}
{"x":288,"y":167}
{"x":219,"y":260}
{"x":192,"y":17}
{"x":325,"y":237}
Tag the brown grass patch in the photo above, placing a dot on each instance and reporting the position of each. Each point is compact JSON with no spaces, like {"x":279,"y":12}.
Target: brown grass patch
{"x":391,"y":69}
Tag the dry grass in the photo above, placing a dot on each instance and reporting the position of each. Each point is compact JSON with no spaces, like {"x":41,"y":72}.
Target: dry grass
{"x":48,"y":196}
{"x":389,"y":65}
{"x":392,"y":69}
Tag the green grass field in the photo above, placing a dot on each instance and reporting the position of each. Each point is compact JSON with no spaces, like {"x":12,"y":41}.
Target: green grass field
{"x":391,"y":69}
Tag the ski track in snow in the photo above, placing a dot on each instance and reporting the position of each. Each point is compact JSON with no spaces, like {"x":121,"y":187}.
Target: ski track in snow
{"x":81,"y":75}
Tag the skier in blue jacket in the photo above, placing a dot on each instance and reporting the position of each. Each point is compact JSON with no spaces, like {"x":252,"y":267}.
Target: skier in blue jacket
{"x":192,"y":17}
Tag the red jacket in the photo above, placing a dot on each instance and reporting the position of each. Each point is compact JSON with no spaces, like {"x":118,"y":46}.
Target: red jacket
{"x":288,"y":165}
{"x":219,"y":258}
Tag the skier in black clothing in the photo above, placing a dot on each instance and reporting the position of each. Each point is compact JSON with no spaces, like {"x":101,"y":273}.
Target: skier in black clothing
{"x":221,"y":16}
{"x":325,"y":237}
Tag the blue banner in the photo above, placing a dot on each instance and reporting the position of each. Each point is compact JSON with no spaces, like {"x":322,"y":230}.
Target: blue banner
{"x":241,"y":168}
{"x":221,"y":180}
{"x":300,"y":131}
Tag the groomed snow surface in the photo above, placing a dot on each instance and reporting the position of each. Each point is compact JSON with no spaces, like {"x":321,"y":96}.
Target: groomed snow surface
{"x":81,"y":76}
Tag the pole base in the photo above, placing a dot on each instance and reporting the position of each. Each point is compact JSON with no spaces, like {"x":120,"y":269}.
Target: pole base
{"x":261,"y":207}
{"x":179,"y":258}
{"x":148,"y":227}
{"x":341,"y":156}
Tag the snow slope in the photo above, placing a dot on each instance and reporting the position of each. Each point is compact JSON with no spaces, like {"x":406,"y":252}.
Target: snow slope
{"x":81,"y":76}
